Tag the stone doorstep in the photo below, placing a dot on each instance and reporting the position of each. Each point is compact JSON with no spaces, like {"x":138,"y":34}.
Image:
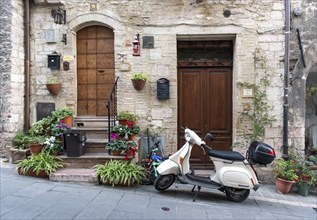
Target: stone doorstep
{"x":75,"y":175}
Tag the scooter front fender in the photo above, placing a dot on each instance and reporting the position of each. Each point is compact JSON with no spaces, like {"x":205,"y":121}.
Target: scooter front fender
{"x":168,"y":167}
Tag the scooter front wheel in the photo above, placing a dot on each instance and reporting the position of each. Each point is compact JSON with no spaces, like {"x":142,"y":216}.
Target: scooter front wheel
{"x":163,"y":182}
{"x":237,"y":195}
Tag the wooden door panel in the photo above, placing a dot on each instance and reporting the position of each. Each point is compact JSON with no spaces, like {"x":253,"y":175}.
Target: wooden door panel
{"x":101,"y":110}
{"x":82,"y":76}
{"x":91,"y":92}
{"x":82,"y":107}
{"x":81,"y":61}
{"x":91,"y":107}
{"x":91,"y":61}
{"x":104,"y":32}
{"x":91,"y":46}
{"x":103,"y":90}
{"x":105,"y":46}
{"x":91,"y":32}
{"x":105,"y":61}
{"x":82,"y":92}
{"x":91,"y":76}
{"x":105,"y":75}
{"x":82,"y":47}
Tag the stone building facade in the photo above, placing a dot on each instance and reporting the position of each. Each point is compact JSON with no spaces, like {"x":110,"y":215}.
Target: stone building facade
{"x":254,"y":27}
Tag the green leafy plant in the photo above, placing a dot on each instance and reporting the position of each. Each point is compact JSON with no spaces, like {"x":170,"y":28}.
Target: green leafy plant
{"x":126,"y":115}
{"x":311,"y":90}
{"x":120,"y":145}
{"x":43,"y":126}
{"x":305,"y":175}
{"x":62,"y":113}
{"x":115,"y":172}
{"x":52,"y":145}
{"x":121,"y":130}
{"x":286,"y":170}
{"x":52,"y":81}
{"x":21,"y":141}
{"x":140,"y":76}
{"x":133,"y":130}
{"x":37,"y":163}
{"x":60,"y":128}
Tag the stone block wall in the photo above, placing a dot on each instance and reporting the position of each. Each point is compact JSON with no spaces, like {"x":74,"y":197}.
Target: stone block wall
{"x":12,"y":71}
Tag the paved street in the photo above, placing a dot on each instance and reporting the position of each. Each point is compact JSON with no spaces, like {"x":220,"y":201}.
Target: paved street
{"x":25,"y":197}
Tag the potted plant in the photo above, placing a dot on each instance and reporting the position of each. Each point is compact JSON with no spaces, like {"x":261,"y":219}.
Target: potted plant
{"x":40,"y":165}
{"x":285,"y":174}
{"x":60,"y":128}
{"x":120,"y":130}
{"x":115,"y":172}
{"x":20,"y":147}
{"x":65,"y":114}
{"x":117,"y":146}
{"x":306,"y":178}
{"x":52,"y":146}
{"x":138,"y":80}
{"x":126,"y":116}
{"x":132,"y":131}
{"x":35,"y":143}
{"x":42,"y":127}
{"x":53,"y":86}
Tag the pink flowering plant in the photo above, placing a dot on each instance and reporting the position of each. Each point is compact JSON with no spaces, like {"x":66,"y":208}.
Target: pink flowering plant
{"x":60,"y":128}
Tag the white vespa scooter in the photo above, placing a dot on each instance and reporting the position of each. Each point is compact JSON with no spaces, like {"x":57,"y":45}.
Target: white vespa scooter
{"x":233,"y":173}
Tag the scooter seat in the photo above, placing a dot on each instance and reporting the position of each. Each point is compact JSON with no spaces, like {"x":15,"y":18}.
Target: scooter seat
{"x":227,"y":155}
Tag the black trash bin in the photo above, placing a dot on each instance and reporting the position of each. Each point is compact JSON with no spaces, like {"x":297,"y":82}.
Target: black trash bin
{"x":75,"y":143}
{"x":163,"y":89}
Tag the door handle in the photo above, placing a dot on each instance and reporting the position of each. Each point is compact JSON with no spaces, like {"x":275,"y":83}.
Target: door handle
{"x":101,"y":71}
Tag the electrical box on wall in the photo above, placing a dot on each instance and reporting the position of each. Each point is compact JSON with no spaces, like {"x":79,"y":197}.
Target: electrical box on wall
{"x":53,"y":60}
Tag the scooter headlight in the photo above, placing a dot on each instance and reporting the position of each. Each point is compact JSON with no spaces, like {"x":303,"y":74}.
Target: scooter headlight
{"x":187,"y":136}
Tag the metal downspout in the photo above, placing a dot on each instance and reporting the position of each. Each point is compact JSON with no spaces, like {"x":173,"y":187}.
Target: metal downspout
{"x":286,"y":89}
{"x":27,"y":65}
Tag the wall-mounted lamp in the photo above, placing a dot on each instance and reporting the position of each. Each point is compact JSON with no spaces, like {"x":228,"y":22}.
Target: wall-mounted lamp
{"x":64,"y":39}
{"x":136,"y":45}
{"x":59,"y":16}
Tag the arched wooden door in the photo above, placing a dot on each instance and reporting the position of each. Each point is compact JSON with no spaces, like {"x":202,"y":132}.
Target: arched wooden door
{"x":205,"y":94}
{"x":95,"y":69}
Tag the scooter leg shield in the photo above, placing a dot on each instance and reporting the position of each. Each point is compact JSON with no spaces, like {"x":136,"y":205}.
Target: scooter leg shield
{"x":168,"y":167}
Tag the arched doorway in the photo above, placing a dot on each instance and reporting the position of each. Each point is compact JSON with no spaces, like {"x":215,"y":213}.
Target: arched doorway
{"x":95,"y":69}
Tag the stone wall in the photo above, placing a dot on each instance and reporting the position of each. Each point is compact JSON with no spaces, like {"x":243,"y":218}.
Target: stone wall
{"x":254,"y":25}
{"x":12,"y":71}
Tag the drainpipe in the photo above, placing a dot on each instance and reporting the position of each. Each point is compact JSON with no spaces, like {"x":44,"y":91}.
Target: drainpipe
{"x":27,"y":64}
{"x":286,"y":89}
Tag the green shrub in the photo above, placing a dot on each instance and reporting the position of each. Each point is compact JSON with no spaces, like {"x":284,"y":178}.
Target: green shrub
{"x":43,"y":161}
{"x":140,"y":76}
{"x":115,"y":172}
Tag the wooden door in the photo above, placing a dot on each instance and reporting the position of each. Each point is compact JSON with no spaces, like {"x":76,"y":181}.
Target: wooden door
{"x":205,"y":95}
{"x":95,"y":70}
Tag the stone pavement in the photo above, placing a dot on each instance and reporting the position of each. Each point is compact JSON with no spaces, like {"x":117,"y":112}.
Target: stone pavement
{"x":23,"y":197}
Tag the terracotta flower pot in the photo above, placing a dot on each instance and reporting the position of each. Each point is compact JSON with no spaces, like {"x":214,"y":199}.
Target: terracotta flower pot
{"x":122,"y":121}
{"x":283,"y":186}
{"x":138,"y":84}
{"x":116,"y":152}
{"x":53,"y":88}
{"x":35,"y":148}
{"x":132,"y":137}
{"x":69,"y":121}
{"x":41,"y":174}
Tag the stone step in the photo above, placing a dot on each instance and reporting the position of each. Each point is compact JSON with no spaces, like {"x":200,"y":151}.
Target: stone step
{"x":87,"y":176}
{"x":88,"y":160}
{"x":91,"y":121}
{"x":93,"y":132}
{"x":96,"y":145}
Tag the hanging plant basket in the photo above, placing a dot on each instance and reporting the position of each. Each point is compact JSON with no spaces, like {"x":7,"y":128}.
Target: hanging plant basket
{"x":53,"y":88}
{"x":138,"y":84}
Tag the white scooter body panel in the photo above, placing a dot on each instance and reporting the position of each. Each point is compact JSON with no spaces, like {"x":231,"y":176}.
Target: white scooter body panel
{"x":168,"y":167}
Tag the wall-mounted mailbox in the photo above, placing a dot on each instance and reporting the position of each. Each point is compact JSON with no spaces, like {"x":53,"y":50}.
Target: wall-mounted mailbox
{"x":53,"y":60}
{"x":65,"y":65}
{"x":163,"y":89}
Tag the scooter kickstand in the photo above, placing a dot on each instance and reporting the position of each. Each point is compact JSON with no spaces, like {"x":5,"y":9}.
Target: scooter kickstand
{"x":199,"y":187}
{"x":193,"y":188}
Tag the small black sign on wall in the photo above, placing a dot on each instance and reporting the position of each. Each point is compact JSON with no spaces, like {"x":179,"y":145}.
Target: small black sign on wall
{"x":44,"y":109}
{"x":148,"y":42}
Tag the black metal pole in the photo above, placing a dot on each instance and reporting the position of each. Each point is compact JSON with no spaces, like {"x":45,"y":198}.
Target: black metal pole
{"x":286,"y":89}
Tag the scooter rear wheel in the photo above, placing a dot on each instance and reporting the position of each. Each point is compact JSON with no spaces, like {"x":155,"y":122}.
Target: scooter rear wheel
{"x":163,"y":182}
{"x":237,"y":195}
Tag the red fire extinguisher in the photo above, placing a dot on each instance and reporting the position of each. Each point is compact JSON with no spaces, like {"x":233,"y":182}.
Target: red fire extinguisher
{"x":136,"y":45}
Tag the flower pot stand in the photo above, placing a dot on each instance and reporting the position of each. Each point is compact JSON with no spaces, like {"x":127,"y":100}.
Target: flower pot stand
{"x":283,"y":186}
{"x":18,"y":154}
{"x":303,"y":189}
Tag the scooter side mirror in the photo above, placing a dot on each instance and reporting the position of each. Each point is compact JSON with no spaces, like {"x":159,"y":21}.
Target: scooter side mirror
{"x":209,"y":137}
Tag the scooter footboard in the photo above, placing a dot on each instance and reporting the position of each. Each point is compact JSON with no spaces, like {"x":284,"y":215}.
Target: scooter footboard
{"x":237,"y":177}
{"x":168,"y":167}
